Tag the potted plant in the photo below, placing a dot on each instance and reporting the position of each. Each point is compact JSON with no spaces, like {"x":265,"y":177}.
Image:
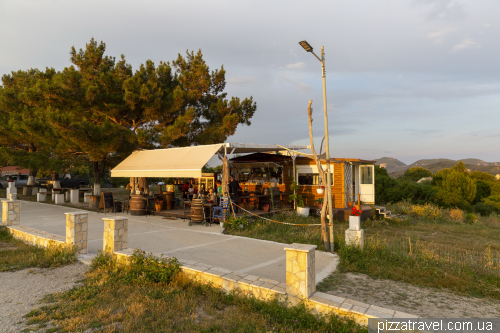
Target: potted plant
{"x":320,"y":203}
{"x":320,"y":189}
{"x":355,"y":219}
{"x":301,"y":209}
{"x":350,"y":201}
{"x":266,"y":208}
{"x":158,"y":205}
{"x":361,"y":203}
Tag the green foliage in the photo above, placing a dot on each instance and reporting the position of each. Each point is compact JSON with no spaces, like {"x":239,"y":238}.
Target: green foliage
{"x":142,"y":268}
{"x":483,"y":209}
{"x":417,"y":173}
{"x":483,"y":190}
{"x":383,"y":183}
{"x":483,"y":176}
{"x":208,"y":169}
{"x":471,"y":218}
{"x":409,"y":190}
{"x":495,"y":188}
{"x":236,"y":222}
{"x":297,"y":197}
{"x":456,"y":187}
{"x":98,"y":110}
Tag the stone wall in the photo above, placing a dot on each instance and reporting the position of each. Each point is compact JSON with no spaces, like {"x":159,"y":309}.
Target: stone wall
{"x":11,"y":212}
{"x":115,"y":236}
{"x":35,"y":237}
{"x":76,"y":230}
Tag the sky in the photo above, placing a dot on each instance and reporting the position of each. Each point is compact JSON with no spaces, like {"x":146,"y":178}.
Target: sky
{"x":408,"y":79}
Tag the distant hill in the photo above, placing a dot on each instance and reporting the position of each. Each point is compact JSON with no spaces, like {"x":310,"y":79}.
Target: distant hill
{"x":391,"y":164}
{"x":396,"y":168}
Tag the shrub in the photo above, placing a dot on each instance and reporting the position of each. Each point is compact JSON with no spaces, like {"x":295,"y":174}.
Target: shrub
{"x":417,"y":173}
{"x":237,"y":222}
{"x":428,"y":211}
{"x":456,"y":215}
{"x":470,"y":218}
{"x":483,"y":209}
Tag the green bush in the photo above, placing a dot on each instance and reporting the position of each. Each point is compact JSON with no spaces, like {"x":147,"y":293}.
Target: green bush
{"x":142,"y":267}
{"x":483,"y":209}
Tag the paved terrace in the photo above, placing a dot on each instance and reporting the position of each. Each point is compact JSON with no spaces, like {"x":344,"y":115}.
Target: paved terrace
{"x":175,"y":238}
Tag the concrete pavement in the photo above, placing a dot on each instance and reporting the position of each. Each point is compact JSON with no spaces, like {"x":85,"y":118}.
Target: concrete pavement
{"x":174,"y":238}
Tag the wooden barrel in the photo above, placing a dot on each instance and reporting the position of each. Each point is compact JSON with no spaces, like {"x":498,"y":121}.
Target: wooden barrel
{"x":138,"y":204}
{"x":169,"y":198}
{"x":197,"y":211}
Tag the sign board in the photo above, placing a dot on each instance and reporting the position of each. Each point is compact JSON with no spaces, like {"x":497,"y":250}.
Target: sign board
{"x":107,"y":201}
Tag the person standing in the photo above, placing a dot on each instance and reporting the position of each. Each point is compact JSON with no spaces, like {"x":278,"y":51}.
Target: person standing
{"x":234,"y":186}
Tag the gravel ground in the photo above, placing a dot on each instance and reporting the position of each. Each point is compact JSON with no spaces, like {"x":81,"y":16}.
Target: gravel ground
{"x":21,"y":291}
{"x":401,"y":296}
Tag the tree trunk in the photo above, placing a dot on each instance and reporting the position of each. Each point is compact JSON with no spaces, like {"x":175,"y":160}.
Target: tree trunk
{"x":31,"y":178}
{"x":97,"y":177}
{"x":143,"y":184}
{"x":55,"y":178}
{"x":132,"y":185}
{"x":324,"y":233}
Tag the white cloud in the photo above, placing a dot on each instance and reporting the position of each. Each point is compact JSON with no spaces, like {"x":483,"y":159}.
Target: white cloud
{"x":439,"y":35}
{"x":305,"y":88}
{"x":241,"y":80}
{"x":449,"y":10}
{"x":297,"y":65}
{"x":466,"y":43}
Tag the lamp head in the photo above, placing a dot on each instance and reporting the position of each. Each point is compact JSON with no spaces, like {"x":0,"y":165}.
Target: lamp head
{"x":306,"y":46}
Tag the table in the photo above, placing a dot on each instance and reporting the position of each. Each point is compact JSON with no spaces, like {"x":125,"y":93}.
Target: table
{"x":259,"y":196}
{"x":94,"y":201}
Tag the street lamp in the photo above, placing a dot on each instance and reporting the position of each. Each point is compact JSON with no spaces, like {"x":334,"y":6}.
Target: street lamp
{"x":309,"y":48}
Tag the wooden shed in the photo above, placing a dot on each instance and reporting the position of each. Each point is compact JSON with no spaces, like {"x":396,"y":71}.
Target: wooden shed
{"x":351,"y":177}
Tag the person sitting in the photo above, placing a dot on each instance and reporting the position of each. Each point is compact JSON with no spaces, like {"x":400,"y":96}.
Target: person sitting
{"x":185,"y":189}
{"x":190,"y":192}
{"x":212,"y":197}
{"x":273,"y":182}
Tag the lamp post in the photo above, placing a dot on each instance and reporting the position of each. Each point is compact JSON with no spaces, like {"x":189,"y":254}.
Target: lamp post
{"x":309,"y":48}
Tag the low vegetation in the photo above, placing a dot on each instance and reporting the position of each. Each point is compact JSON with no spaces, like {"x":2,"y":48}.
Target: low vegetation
{"x":429,"y":246}
{"x":15,"y":254}
{"x":475,"y":192}
{"x":150,"y":295}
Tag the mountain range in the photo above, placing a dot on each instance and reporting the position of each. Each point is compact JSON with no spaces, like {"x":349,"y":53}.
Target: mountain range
{"x":396,"y":168}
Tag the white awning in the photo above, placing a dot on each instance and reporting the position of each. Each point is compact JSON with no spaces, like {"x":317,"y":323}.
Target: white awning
{"x":183,"y":162}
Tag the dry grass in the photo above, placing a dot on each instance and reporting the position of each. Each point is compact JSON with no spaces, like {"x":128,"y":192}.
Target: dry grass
{"x":15,"y":254}
{"x":108,"y":301}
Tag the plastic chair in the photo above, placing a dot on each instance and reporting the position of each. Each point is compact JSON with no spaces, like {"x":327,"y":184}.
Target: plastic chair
{"x":221,"y":212}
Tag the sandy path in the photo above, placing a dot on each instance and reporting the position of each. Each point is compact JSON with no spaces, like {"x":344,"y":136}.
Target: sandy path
{"x":401,"y":296}
{"x":21,"y":291}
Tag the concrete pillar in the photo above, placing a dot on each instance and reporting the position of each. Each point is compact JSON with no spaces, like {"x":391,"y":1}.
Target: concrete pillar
{"x":76,"y":231}
{"x":300,"y":270}
{"x":12,"y":196}
{"x":74,"y":196}
{"x":11,"y":212}
{"x":11,"y":190}
{"x":355,"y":238}
{"x":41,"y":196}
{"x":66,"y":196}
{"x":59,"y":199}
{"x":86,"y":197}
{"x":34,"y":190}
{"x":42,"y":190}
{"x":26,"y":190}
{"x":115,"y":234}
{"x":12,"y":185}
